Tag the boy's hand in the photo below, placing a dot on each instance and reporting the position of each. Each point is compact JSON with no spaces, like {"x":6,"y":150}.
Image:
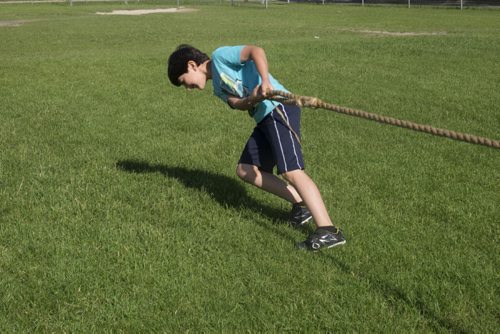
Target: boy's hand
{"x":266,"y":87}
{"x":249,"y":102}
{"x":258,"y":94}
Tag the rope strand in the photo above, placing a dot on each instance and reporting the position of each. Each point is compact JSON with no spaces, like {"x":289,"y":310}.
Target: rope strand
{"x":314,"y":102}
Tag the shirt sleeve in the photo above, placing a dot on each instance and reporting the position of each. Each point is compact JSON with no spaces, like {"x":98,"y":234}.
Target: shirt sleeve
{"x":226,"y":57}
{"x":229,"y":55}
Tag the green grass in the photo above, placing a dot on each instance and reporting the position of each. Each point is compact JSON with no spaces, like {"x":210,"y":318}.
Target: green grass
{"x":120,"y":210}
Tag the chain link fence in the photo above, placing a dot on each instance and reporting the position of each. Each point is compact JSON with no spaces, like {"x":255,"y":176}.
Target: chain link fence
{"x":409,"y":3}
{"x":444,"y":3}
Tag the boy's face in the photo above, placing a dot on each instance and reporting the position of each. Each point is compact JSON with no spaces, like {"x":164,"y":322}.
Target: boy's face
{"x":193,"y":78}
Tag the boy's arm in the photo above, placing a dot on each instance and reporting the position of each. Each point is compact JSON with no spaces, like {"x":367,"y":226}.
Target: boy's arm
{"x":258,"y":55}
{"x":247,"y":103}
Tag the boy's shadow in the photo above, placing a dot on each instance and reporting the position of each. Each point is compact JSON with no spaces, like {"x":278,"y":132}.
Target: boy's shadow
{"x":224,"y":190}
{"x":231,"y":193}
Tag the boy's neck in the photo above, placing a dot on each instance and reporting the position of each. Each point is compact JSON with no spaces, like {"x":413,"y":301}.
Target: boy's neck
{"x":208,"y":68}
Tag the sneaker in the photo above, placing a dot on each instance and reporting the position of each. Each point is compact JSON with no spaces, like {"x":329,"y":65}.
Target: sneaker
{"x":299,"y":215}
{"x":322,"y":239}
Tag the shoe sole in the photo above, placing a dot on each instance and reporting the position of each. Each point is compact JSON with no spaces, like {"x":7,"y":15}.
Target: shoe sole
{"x":337,"y":244}
{"x":305,"y":221}
{"x":301,"y":223}
{"x":302,"y":245}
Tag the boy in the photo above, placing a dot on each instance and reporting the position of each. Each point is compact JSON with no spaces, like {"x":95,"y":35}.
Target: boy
{"x":240,"y":77}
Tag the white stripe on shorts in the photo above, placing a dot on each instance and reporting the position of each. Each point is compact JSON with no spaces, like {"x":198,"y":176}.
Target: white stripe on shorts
{"x":279,"y":140}
{"x":291,"y":138}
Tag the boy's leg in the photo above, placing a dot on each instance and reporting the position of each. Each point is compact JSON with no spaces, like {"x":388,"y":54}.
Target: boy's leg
{"x":288,"y":154}
{"x":256,"y":166}
{"x":326,"y":234}
{"x":268,"y":182}
{"x":310,"y":194}
{"x":275,"y":185}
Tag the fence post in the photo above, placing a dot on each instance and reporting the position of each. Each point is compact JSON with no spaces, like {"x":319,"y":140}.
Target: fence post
{"x":461,"y":4}
{"x":408,"y":3}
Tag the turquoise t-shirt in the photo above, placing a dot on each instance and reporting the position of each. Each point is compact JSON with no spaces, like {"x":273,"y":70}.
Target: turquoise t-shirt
{"x":232,"y":77}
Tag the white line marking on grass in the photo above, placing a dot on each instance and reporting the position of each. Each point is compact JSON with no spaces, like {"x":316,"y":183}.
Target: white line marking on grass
{"x":148,"y":11}
{"x":396,"y":33}
{"x":13,"y":23}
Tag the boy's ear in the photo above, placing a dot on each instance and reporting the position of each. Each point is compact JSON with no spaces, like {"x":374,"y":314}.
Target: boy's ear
{"x":192,"y":65}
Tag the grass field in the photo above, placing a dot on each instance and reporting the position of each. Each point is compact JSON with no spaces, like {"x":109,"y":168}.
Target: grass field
{"x":120,"y":210}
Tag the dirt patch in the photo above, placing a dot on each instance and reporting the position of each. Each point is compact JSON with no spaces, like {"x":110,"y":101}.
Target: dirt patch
{"x":13,"y":23}
{"x":396,"y":33}
{"x":148,"y":11}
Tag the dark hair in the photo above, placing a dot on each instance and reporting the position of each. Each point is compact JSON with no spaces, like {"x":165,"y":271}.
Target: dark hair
{"x":178,"y":60}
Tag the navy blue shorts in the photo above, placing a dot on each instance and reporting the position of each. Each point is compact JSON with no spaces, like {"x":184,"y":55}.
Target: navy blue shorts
{"x":273,"y":144}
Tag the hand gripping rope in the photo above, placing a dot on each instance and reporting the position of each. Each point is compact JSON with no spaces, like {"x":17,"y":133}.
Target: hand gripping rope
{"x":313,"y":102}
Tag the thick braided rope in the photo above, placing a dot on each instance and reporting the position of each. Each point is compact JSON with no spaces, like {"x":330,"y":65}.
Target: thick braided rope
{"x":313,"y":102}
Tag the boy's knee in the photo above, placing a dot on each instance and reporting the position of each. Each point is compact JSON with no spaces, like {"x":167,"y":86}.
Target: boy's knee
{"x":246,"y":172}
{"x":240,"y":171}
{"x":292,"y":176}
